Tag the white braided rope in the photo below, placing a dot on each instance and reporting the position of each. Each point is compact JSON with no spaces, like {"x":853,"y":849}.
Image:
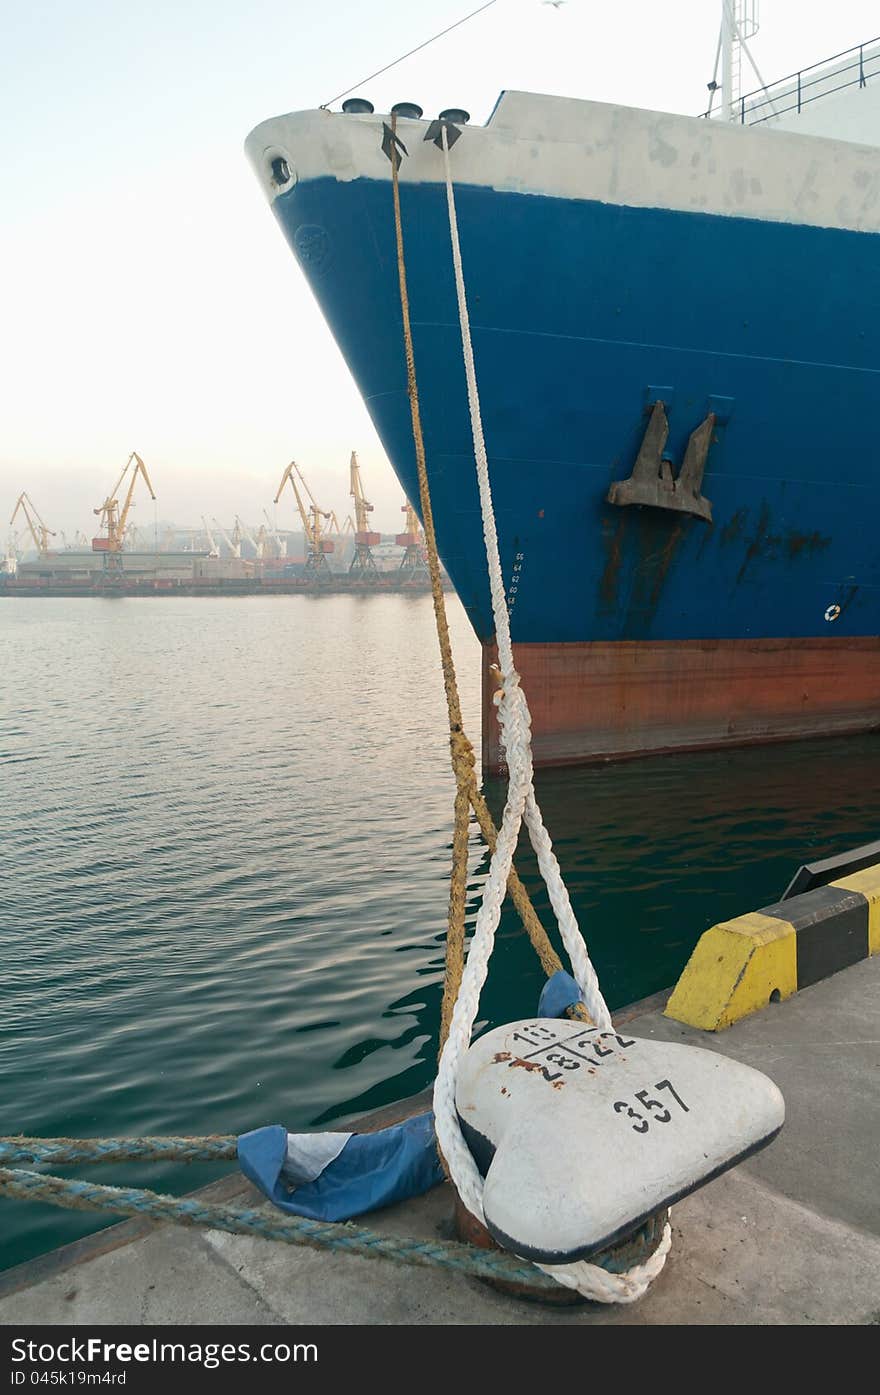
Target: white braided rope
{"x":513,"y":716}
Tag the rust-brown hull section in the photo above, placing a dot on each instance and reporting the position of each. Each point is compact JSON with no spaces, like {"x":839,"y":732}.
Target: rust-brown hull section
{"x":606,"y":701}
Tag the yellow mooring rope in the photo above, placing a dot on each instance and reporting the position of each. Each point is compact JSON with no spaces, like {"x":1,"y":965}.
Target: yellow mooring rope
{"x":468,"y":794}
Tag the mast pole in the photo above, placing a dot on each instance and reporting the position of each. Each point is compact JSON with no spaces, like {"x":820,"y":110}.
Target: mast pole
{"x":728,"y":39}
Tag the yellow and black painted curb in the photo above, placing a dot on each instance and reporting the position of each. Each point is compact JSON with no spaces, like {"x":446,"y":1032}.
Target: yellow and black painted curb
{"x":742,"y":965}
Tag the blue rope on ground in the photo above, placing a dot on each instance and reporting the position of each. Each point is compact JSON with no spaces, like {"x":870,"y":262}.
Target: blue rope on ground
{"x":75,"y":1194}
{"x":65,"y":1151}
{"x":244,"y":1220}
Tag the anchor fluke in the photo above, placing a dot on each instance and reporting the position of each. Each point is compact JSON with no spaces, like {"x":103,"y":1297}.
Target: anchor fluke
{"x":392,"y":142}
{"x":451,"y":121}
{"x":652,"y":482}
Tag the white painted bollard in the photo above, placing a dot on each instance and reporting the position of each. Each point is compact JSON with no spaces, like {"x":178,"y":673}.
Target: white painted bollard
{"x":581,"y":1135}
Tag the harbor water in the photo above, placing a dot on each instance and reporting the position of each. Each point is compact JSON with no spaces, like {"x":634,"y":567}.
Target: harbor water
{"x":225,"y":829}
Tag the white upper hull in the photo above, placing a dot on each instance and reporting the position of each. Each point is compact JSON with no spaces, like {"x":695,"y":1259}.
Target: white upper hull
{"x":565,"y":148}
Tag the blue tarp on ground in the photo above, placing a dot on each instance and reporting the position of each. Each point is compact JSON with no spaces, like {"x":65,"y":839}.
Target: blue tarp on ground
{"x":559,"y":993}
{"x":371,"y":1171}
{"x":336,"y":1176}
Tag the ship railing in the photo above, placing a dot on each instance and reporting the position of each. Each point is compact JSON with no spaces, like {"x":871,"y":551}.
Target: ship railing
{"x":852,"y":68}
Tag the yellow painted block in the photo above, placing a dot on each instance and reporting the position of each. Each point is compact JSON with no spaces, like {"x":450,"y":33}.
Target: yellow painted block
{"x":733,"y":971}
{"x":868,"y":883}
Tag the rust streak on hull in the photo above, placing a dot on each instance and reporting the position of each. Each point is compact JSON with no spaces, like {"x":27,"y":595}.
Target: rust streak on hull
{"x":606,"y":700}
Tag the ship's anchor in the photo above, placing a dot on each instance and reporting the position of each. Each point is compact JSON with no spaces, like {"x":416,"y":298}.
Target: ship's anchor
{"x":651,"y":481}
{"x":445,"y":123}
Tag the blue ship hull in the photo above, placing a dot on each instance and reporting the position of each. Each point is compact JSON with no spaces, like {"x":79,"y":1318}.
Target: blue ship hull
{"x":583,"y":314}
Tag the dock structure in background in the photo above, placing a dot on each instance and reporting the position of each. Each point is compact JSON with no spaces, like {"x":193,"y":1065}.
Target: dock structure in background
{"x":115,"y":519}
{"x":363,"y":563}
{"x":36,"y":527}
{"x":313,"y":520}
{"x":412,"y":540}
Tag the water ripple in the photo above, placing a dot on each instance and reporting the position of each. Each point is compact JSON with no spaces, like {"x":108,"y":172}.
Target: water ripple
{"x":225,"y":832}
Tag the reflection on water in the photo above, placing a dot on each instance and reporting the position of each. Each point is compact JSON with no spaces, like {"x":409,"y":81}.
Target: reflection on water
{"x":225,"y":831}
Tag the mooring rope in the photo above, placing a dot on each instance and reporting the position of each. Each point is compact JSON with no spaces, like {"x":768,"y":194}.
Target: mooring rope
{"x":64,"y":1152}
{"x":468,"y":794}
{"x":521,"y":804}
{"x":75,"y":1194}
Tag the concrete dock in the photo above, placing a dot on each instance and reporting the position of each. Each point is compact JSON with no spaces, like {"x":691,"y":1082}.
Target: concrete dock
{"x":791,"y":1236}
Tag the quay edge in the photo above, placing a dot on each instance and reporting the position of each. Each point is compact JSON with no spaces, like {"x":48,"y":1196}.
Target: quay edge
{"x":790,"y":1237}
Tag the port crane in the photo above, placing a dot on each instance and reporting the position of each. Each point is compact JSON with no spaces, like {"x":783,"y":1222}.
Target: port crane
{"x":258,"y":543}
{"x":363,"y":563}
{"x":347,"y":529}
{"x":279,"y":541}
{"x":38,"y":530}
{"x":234,"y":542}
{"x":317,"y":546}
{"x":213,"y":549}
{"x":114,"y":519}
{"x":412,"y":540}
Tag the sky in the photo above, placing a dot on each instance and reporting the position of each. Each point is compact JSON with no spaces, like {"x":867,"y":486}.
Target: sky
{"x":147,"y":299}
